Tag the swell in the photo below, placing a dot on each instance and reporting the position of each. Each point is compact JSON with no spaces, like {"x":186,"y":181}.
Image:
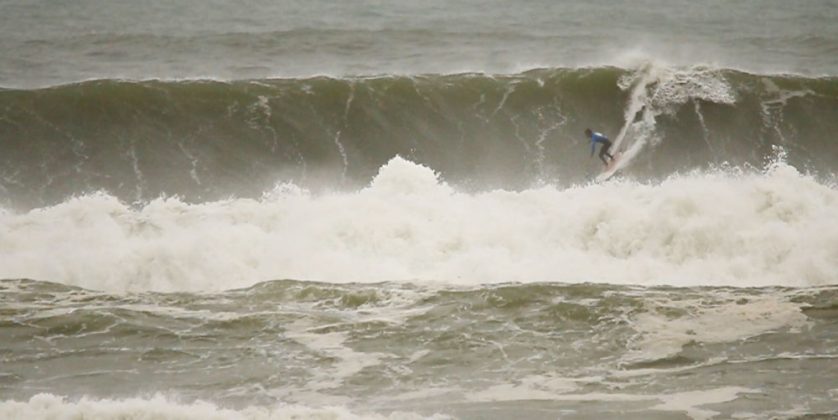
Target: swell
{"x":276,"y":41}
{"x":205,"y":140}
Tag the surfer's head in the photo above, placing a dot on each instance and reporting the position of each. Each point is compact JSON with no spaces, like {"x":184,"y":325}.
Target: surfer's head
{"x":588,"y":132}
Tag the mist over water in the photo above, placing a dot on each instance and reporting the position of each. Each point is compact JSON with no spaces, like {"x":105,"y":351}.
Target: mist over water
{"x":366,"y":210}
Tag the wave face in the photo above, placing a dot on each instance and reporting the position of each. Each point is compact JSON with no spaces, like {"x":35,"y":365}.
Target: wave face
{"x":208,"y":140}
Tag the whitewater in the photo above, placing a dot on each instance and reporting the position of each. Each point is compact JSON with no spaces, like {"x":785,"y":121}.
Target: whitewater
{"x":367,"y":210}
{"x":727,"y":228}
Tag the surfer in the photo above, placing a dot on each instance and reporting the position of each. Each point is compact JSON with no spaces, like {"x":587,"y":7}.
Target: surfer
{"x":599,"y":138}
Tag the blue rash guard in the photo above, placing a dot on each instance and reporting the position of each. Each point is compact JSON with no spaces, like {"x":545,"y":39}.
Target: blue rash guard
{"x":597,"y":138}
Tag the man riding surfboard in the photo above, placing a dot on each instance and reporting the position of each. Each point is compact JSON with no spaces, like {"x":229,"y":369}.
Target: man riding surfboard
{"x":606,"y":144}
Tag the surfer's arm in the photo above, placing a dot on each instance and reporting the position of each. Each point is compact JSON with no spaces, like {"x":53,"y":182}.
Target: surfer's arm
{"x":593,"y":147}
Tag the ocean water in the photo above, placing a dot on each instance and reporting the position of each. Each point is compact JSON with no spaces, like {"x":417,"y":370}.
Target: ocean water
{"x":388,"y":210}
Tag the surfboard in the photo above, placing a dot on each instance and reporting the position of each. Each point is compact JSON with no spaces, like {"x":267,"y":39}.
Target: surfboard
{"x":612,"y":168}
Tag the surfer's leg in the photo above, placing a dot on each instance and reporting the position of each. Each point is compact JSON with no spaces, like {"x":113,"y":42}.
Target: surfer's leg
{"x":604,"y":152}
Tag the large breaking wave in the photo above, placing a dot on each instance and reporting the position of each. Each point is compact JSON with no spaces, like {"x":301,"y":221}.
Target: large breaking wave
{"x":209,"y":140}
{"x":460,"y":179}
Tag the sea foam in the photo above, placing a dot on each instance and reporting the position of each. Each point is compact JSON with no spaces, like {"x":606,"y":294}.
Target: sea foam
{"x":723,"y":228}
{"x":49,"y":406}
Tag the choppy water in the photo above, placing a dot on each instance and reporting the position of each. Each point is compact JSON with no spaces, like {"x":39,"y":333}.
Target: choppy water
{"x":528,"y":350}
{"x":265,"y":210}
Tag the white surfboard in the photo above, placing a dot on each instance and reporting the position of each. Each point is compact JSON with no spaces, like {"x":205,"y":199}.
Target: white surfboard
{"x":612,"y":168}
